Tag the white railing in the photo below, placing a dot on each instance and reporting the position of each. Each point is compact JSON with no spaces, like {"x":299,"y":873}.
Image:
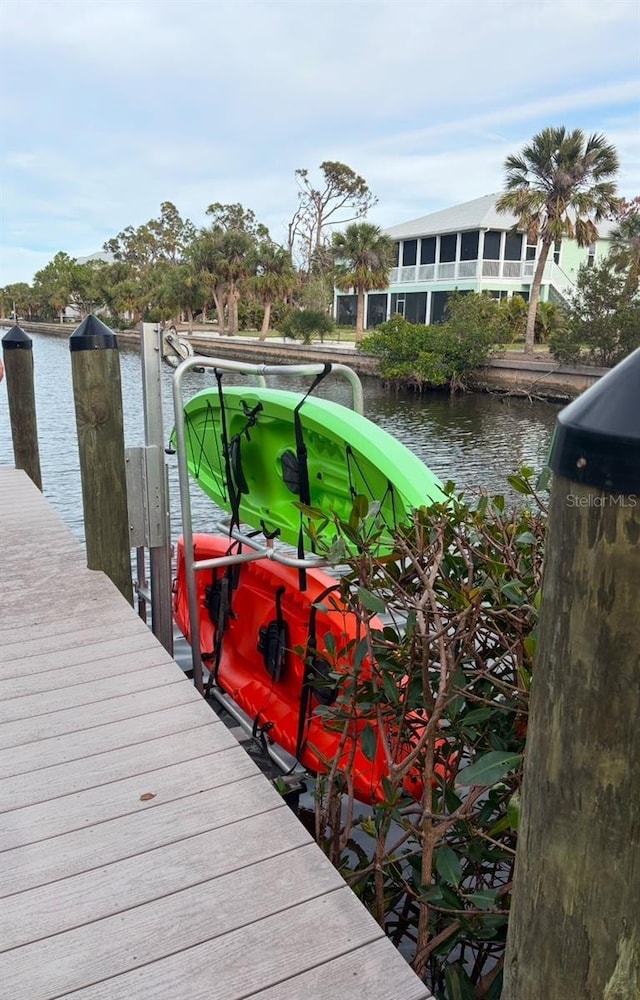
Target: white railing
{"x":507,"y":270}
{"x":467,"y":268}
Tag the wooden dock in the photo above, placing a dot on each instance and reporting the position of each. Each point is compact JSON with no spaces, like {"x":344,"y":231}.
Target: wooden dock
{"x":144,"y":856}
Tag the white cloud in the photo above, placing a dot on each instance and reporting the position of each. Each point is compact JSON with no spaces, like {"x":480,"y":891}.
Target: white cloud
{"x":112,"y":106}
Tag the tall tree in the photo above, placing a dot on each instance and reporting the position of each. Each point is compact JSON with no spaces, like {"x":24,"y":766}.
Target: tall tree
{"x":363,"y":258}
{"x":560,"y":185}
{"x":57,"y":283}
{"x":341,"y":197}
{"x":625,"y":244}
{"x":274,"y":278}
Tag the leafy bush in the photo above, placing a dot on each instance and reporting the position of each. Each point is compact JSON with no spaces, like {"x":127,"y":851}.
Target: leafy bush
{"x":450,"y":677}
{"x":305,"y":324}
{"x":603,"y":321}
{"x":441,"y":354}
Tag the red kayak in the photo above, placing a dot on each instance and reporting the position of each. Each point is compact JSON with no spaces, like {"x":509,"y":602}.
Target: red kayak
{"x":280,"y":653}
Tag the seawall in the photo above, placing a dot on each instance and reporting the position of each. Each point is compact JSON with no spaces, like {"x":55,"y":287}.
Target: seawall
{"x":510,"y":374}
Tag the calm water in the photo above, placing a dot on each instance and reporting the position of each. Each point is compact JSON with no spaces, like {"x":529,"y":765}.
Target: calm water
{"x":476,"y":440}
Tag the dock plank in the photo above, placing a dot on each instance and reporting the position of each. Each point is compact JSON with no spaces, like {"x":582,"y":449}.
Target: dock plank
{"x":144,"y":856}
{"x":125,"y":706}
{"x":59,"y":749}
{"x":219,"y":804}
{"x":82,"y":673}
{"x":151,"y":931}
{"x":105,"y":891}
{"x":114,"y":765}
{"x":265,"y":953}
{"x":64,"y":814}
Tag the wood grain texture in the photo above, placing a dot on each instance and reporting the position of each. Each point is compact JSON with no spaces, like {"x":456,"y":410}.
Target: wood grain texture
{"x":574,"y":929}
{"x":252,"y":957}
{"x":72,"y":902}
{"x":74,"y":746}
{"x":64,"y":814}
{"x":127,"y":706}
{"x":143,"y":854}
{"x":149,"y":932}
{"x":366,"y":972}
{"x":79,"y":655}
{"x":114,"y":765}
{"x":91,"y":692}
{"x":128,"y":836}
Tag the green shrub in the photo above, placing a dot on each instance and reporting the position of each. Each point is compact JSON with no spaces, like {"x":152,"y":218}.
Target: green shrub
{"x":461,"y":608}
{"x":305,"y":324}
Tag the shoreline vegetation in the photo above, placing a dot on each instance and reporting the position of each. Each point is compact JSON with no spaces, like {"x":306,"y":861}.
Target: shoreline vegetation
{"x":507,"y":372}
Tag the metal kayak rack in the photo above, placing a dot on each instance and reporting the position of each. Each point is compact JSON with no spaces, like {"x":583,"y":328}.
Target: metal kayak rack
{"x":258,"y":549}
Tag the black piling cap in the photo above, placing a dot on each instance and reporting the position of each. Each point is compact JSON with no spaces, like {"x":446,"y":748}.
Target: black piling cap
{"x":597,"y":437}
{"x":92,"y":335}
{"x":16,"y":339}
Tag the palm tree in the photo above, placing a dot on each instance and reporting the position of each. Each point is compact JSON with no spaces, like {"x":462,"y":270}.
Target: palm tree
{"x":363,"y":258}
{"x":275,"y":278}
{"x":624,"y":253}
{"x":559,"y":185}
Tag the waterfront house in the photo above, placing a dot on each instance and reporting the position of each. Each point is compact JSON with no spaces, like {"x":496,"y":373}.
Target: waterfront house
{"x":468,"y":248}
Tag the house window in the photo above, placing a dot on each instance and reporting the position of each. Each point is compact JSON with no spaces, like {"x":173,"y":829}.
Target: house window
{"x":409,"y":252}
{"x":376,"y":309}
{"x":530,"y":252}
{"x":591,"y":256}
{"x":492,"y":245}
{"x":397,"y":304}
{"x":411,"y":305}
{"x":557,"y":246}
{"x":521,"y":295}
{"x":513,"y":246}
{"x":448,"y":244}
{"x":469,"y":245}
{"x":428,"y":250}
{"x":396,"y":254}
{"x":498,"y":294}
{"x":346,"y":310}
{"x":438,"y":306}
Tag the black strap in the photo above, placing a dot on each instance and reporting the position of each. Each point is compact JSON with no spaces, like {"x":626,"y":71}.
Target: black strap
{"x":234,"y":494}
{"x":273,"y":641}
{"x":312,"y":671}
{"x":304,"y":489}
{"x":218,"y":601}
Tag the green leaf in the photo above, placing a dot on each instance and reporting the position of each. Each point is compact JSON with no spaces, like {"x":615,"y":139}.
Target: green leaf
{"x":489,"y":769}
{"x":330,"y":643}
{"x":526,"y":538}
{"x":484,"y":900}
{"x":513,"y":811}
{"x":369,"y":742}
{"x":431,"y":894}
{"x":448,"y":865}
{"x":459,"y":986}
{"x":360,"y":507}
{"x":371,"y":601}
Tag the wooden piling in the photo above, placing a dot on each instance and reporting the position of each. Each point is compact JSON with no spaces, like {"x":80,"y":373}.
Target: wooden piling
{"x":95,"y":365}
{"x":574,"y":929}
{"x":18,"y":362}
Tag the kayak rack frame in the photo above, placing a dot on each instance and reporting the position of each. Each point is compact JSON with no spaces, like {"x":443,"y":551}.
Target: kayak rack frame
{"x":259,"y":550}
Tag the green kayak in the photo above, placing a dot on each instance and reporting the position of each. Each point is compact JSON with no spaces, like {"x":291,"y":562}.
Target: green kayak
{"x":263,"y":452}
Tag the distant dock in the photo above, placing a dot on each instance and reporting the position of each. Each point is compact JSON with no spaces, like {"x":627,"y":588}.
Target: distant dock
{"x":145,"y":857}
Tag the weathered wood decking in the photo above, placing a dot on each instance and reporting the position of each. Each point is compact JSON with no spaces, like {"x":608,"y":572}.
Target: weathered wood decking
{"x":144,"y":857}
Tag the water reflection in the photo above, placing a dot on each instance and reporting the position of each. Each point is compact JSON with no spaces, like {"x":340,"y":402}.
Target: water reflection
{"x":476,"y":440}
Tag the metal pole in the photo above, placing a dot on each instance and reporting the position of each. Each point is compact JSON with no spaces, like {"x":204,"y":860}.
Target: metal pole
{"x":157,"y":492}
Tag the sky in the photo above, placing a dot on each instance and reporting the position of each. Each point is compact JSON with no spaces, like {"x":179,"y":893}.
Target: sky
{"x":110,"y":107}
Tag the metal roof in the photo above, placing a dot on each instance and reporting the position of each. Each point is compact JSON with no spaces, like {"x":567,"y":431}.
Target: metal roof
{"x":477,"y":214}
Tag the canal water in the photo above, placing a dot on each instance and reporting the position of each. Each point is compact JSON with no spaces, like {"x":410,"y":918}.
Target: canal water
{"x":477,"y":440}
